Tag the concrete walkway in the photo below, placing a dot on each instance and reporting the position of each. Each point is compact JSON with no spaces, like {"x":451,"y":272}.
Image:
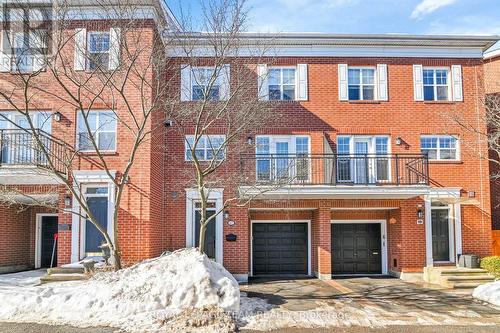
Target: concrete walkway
{"x":372,"y":302}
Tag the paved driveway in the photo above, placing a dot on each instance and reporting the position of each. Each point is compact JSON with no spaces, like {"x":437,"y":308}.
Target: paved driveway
{"x":368,"y":302}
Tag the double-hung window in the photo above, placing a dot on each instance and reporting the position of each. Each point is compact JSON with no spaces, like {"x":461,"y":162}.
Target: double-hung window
{"x":439,"y":147}
{"x":361,"y":83}
{"x":436,"y":85}
{"x":281,"y":83}
{"x":29,"y":50}
{"x":102,"y":126}
{"x":207,"y":148}
{"x":98,"y":50}
{"x":204,"y":83}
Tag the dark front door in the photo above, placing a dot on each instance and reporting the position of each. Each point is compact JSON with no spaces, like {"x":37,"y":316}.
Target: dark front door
{"x":209,"y":233}
{"x":440,"y":235}
{"x":356,"y":248}
{"x":49,"y":229}
{"x":279,"y":248}
{"x":93,"y":237}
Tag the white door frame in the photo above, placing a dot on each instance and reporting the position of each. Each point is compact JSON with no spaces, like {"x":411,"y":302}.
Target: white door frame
{"x":383,"y":238}
{"x":309,"y":245}
{"x":215,"y":195}
{"x":38,"y":237}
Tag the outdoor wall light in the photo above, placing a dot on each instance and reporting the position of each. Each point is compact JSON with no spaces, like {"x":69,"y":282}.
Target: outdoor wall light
{"x":226,"y":214}
{"x":399,"y":141}
{"x":67,"y":201}
{"x":168,"y":123}
{"x":57,"y":116}
{"x":250,"y":141}
{"x":420,"y":213}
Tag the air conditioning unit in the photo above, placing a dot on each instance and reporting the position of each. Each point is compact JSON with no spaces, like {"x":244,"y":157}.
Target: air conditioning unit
{"x":468,"y":261}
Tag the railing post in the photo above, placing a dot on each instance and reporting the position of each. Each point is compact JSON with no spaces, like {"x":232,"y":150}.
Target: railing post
{"x":427,"y":176}
{"x":397,"y":169}
{"x":367,"y":171}
{"x":1,"y":146}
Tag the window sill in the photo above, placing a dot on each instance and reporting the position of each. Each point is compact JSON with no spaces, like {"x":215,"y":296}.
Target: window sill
{"x":445,"y":162}
{"x":103,"y":153}
{"x":439,"y":102}
{"x":364,"y":102}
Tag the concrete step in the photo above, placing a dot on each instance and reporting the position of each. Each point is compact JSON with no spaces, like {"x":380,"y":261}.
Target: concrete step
{"x":472,"y":277}
{"x":63,"y":277}
{"x":63,"y":270}
{"x":463,"y":271}
{"x":466,"y":285}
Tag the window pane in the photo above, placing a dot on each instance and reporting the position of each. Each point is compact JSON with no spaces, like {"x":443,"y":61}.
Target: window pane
{"x":302,"y":145}
{"x":428,"y":76}
{"x":274,"y":77}
{"x":354,"y":76}
{"x":262,"y":146}
{"x":98,"y":61}
{"x":84,"y":142}
{"x":448,"y":154}
{"x":381,"y":145}
{"x":106,"y":141}
{"x":44,"y":121}
{"x":428,"y":142}
{"x":428,"y":93}
{"x":274,"y":93}
{"x":198,"y":92}
{"x":354,"y":93}
{"x":263,"y":169}
{"x":343,"y":145}
{"x":431,"y":153}
{"x":91,"y":119}
{"x":288,"y":76}
{"x":442,"y":93}
{"x":107,"y":121}
{"x":368,"y":93}
{"x":447,"y":142}
{"x":99,"y":42}
{"x":288,"y":93}
{"x":441,"y":76}
{"x":214,"y":93}
{"x":368,"y":76}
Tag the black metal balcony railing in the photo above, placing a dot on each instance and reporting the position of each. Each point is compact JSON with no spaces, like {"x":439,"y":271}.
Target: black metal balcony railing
{"x":334,"y":169}
{"x":20,"y":148}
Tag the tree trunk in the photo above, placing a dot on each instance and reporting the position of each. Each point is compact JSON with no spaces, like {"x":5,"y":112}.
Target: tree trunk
{"x":203,"y":227}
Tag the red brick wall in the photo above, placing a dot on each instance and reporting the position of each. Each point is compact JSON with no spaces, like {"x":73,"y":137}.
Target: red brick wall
{"x":17,"y":236}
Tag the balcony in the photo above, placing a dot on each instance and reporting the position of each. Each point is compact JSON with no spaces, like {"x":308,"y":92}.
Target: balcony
{"x":22,"y":160}
{"x":276,"y":171}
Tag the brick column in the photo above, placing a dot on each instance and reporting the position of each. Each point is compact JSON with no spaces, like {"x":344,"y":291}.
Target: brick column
{"x":323,"y":241}
{"x":237,"y":253}
{"x":64,"y":232}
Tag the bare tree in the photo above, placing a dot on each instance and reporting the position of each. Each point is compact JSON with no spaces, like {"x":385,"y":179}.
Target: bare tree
{"x":219,"y":109}
{"x":49,"y":56}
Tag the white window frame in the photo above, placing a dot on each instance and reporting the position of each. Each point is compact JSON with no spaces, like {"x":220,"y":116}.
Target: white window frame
{"x":281,"y":84}
{"x":11,"y":114}
{"x":97,"y":132}
{"x":196,"y":82}
{"x":438,"y":148}
{"x":90,"y":52}
{"x":435,"y":85}
{"x":361,"y":84}
{"x":206,"y":149}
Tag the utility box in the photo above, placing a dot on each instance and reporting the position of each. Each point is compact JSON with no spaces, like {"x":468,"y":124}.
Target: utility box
{"x":468,"y":261}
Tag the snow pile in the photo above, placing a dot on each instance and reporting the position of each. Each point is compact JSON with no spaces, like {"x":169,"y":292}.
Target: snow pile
{"x":489,"y":292}
{"x":28,"y":278}
{"x":140,"y":298}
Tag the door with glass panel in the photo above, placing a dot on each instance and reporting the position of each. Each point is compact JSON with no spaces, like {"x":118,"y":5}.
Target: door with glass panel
{"x":283,"y":167}
{"x":361,"y":163}
{"x":20,"y":142}
{"x":97,"y":202}
{"x":382,"y":162}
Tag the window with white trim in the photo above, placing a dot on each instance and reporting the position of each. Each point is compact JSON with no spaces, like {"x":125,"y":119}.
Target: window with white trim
{"x":281,"y":82}
{"x":98,"y":50}
{"x":29,"y":50}
{"x":436,"y":84}
{"x":207,"y":147}
{"x":102,"y":125}
{"x":361,"y":83}
{"x":202,"y":80}
{"x":439,"y":147}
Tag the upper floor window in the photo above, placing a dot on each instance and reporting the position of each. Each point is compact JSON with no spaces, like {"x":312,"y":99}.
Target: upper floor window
{"x":439,"y":147}
{"x":207,"y":148}
{"x":436,"y":85}
{"x":205,"y":83}
{"x":361,"y":84}
{"x":98,"y":50}
{"x":281,"y":83}
{"x":102,"y":126}
{"x":14,"y":120}
{"x":28,"y":49}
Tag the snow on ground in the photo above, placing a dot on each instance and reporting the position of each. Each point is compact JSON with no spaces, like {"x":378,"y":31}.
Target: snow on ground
{"x":28,"y":278}
{"x":141,"y":298}
{"x":489,"y":292}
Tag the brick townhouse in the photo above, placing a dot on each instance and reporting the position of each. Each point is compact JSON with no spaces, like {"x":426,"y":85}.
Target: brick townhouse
{"x":492,"y":89}
{"x":385,"y":181}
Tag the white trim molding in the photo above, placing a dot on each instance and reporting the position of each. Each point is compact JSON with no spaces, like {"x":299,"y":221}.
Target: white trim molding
{"x":216,"y":195}
{"x":383,"y":239}
{"x":309,"y":241}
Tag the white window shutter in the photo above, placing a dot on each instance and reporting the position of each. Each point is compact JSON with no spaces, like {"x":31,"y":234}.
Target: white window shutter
{"x":114,"y":48}
{"x":343,"y":84}
{"x":262,"y":82}
{"x":186,"y":83}
{"x":5,"y":52}
{"x":225,"y":82}
{"x":418,"y":82}
{"x":80,"y":48}
{"x":382,"y":82}
{"x":301,"y":85}
{"x":456,"y":76}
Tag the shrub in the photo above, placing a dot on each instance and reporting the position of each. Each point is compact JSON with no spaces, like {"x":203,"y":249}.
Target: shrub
{"x":492,"y":265}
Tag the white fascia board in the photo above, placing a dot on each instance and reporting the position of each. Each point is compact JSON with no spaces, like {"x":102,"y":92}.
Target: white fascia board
{"x":335,"y":192}
{"x":341,"y":51}
{"x":89,"y":176}
{"x":492,"y":54}
{"x":444,"y":192}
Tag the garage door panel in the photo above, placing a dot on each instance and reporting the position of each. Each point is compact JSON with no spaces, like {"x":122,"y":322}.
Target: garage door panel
{"x":282,"y":248}
{"x":356,"y":248}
